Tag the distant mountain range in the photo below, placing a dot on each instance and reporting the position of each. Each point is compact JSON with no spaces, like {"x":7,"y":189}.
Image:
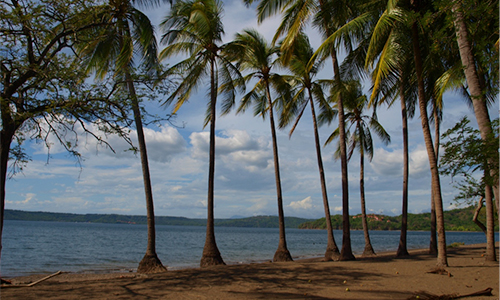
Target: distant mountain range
{"x":258,"y":221}
{"x":455,"y":220}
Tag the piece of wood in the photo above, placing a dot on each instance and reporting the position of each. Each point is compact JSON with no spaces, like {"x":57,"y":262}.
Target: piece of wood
{"x":45,"y":278}
{"x":33,"y":283}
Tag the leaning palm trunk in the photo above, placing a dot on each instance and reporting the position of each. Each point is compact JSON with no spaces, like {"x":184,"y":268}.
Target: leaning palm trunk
{"x":211,"y":255}
{"x":368,"y":245}
{"x":402,"y":248}
{"x":150,"y":263}
{"x":332,"y":251}
{"x":436,"y":185}
{"x":473,"y":82}
{"x":282,"y":253}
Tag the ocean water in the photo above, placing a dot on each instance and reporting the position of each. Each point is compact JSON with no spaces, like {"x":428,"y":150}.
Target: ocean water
{"x":45,"y":247}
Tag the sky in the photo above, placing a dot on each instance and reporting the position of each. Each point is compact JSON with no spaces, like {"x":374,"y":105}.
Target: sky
{"x":111,"y":183}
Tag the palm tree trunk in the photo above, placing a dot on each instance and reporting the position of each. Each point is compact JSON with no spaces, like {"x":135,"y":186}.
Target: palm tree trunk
{"x":474,"y":84}
{"x":433,"y":243}
{"x":150,"y":263}
{"x":211,"y":255}
{"x":368,"y":245}
{"x":436,"y":185}
{"x":332,"y":251}
{"x":282,"y":253}
{"x":490,"y":225}
{"x":346,"y":251}
{"x":402,"y":248}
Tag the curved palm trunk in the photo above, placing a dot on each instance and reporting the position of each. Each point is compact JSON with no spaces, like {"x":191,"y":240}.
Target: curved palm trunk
{"x":346,"y":251}
{"x":490,"y":225}
{"x":211,"y":255}
{"x":282,"y":253}
{"x":433,"y":243}
{"x":474,"y":84}
{"x":442,"y":260}
{"x":332,"y":251}
{"x":150,"y":263}
{"x":402,"y":248}
{"x":368,"y":245}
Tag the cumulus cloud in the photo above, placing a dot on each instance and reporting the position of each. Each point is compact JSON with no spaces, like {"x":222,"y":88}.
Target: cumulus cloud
{"x":304,"y":204}
{"x":419,"y":161}
{"x":229,"y":142}
{"x":389,"y":163}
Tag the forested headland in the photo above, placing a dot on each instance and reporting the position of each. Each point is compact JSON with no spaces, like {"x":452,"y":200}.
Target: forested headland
{"x":456,"y":220}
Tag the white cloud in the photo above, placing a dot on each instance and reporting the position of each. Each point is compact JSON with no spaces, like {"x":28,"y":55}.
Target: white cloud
{"x":419,"y":161}
{"x":389,"y":163}
{"x":304,"y":204}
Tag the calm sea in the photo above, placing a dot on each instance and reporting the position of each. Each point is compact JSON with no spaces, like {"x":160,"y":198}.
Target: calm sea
{"x":46,"y":247}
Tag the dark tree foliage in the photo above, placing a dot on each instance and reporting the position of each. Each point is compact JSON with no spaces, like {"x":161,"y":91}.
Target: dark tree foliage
{"x":466,"y":155}
{"x":44,"y":91}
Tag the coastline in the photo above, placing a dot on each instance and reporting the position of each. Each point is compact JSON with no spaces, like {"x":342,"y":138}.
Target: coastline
{"x":380,"y":277}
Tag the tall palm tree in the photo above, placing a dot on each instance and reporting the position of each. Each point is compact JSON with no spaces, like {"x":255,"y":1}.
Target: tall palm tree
{"x":419,"y":57}
{"x":195,"y":27}
{"x":252,"y":53}
{"x":409,"y":13}
{"x":477,"y":91}
{"x":130,"y":31}
{"x":305,"y":92}
{"x":360,"y":139}
{"x":388,"y":47}
{"x":327,"y":17}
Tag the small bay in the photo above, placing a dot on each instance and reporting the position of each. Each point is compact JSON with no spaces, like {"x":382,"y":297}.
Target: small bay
{"x":34,"y":247}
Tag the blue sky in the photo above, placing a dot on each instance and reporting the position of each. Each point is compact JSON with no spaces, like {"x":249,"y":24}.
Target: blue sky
{"x":112,"y":183}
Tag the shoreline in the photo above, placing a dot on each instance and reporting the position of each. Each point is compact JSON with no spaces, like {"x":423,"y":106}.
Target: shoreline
{"x":379,"y":277}
{"x":305,"y":258}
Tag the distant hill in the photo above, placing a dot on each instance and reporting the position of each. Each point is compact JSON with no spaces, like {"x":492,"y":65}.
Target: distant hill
{"x":455,"y":220}
{"x":258,"y":221}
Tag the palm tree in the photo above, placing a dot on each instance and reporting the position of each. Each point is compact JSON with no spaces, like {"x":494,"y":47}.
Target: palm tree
{"x":327,"y":17}
{"x":442,"y":260}
{"x":400,"y":20}
{"x":130,"y":31}
{"x":252,"y":53}
{"x":388,"y":47}
{"x":195,"y":27}
{"x":304,"y":89}
{"x":360,"y":139}
{"x":477,"y":90}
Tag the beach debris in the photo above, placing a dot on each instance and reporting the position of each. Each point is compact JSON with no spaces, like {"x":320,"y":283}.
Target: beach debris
{"x":5,"y":281}
{"x":347,"y":290}
{"x":33,"y":283}
{"x":345,"y":281}
{"x":429,"y":296}
{"x":440,"y":271}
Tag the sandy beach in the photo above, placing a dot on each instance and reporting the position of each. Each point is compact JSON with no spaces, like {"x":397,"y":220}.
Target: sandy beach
{"x":382,"y":277}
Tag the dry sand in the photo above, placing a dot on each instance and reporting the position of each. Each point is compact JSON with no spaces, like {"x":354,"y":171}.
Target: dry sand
{"x":382,"y":277}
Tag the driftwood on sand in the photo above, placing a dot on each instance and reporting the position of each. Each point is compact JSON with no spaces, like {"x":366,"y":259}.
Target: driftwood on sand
{"x":33,"y":283}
